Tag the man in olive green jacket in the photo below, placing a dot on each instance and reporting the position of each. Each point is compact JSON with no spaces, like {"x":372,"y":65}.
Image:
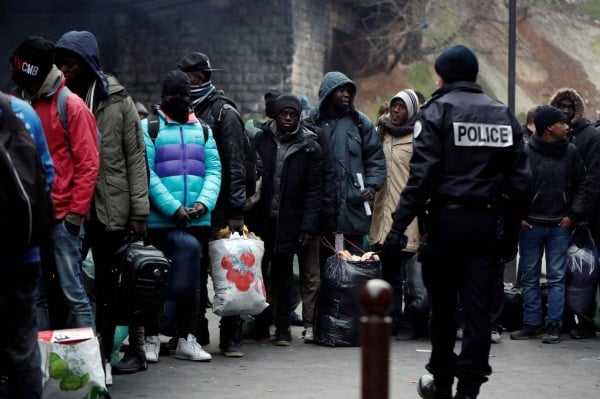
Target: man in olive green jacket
{"x":120,"y":204}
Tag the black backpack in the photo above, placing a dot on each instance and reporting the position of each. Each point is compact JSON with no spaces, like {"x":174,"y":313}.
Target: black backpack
{"x":141,"y":280}
{"x":26,"y":210}
{"x":252,"y":159}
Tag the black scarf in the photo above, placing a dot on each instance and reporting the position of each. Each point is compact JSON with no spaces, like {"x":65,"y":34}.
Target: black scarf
{"x":385,"y":125}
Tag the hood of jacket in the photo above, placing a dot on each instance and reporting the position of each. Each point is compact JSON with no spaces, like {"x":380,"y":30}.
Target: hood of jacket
{"x":575,"y":97}
{"x":84,"y":43}
{"x":330,"y":82}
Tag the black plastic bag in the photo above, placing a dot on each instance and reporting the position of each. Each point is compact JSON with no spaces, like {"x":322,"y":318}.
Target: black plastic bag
{"x":416,"y":298}
{"x":582,"y":272}
{"x":338,"y":311}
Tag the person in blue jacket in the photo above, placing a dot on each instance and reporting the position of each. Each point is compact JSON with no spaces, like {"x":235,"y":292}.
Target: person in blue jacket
{"x":19,"y":275}
{"x":185,"y":178}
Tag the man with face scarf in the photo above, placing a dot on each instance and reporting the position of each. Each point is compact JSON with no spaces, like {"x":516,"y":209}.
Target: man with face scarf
{"x":185,"y":177}
{"x":396,"y":131}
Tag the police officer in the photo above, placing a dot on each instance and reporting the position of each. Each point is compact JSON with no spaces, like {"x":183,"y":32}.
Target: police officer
{"x":468,"y":153}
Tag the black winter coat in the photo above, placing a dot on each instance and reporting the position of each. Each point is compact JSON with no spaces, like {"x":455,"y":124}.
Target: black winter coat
{"x":571,"y":197}
{"x":587,"y":140}
{"x":300,"y":188}
{"x":227,"y":127}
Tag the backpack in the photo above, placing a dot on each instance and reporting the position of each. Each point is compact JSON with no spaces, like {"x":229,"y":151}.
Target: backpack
{"x":61,"y":105}
{"x":26,"y":210}
{"x":252,"y":159}
{"x":140,"y":279}
{"x":154,"y":127}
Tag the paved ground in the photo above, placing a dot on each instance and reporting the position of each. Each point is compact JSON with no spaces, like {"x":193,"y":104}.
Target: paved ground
{"x":522,"y":370}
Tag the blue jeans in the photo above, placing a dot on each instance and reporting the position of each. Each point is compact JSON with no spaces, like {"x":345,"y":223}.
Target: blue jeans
{"x":67,"y":252}
{"x":554,"y":241}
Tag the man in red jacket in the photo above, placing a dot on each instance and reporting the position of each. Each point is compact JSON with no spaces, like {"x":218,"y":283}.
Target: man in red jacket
{"x":75,"y":156}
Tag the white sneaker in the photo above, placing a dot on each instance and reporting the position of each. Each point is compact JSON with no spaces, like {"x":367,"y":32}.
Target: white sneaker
{"x":108,"y":374}
{"x":189,"y":349}
{"x":496,"y":336}
{"x":152,"y":348}
{"x":308,"y":335}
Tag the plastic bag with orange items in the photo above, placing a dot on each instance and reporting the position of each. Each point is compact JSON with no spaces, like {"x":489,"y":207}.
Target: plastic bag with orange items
{"x":237,"y":275}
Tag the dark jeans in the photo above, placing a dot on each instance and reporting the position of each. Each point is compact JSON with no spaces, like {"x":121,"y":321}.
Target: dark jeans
{"x":19,"y":352}
{"x":278,"y":274}
{"x":184,"y":248}
{"x":458,"y":259}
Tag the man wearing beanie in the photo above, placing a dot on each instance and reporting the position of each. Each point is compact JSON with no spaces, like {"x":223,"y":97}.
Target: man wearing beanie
{"x":467,"y":156}
{"x":555,"y":205}
{"x":290,"y":201}
{"x":220,"y":113}
{"x":587,"y":139}
{"x":123,"y":159}
{"x":75,"y":157}
{"x":185,"y":176}
{"x":396,"y":129}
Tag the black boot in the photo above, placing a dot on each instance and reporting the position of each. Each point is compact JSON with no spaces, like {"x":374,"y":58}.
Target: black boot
{"x":133,"y":361}
{"x":427,"y":389}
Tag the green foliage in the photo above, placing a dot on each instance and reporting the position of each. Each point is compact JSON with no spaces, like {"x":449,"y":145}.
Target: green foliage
{"x":589,"y":7}
{"x":420,"y":77}
{"x":595,"y":46}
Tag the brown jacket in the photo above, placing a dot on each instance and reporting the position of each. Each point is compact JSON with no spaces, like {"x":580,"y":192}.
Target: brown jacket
{"x":398,"y":151}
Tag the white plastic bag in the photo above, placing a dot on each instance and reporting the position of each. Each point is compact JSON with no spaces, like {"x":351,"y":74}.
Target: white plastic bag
{"x":237,"y":276}
{"x":72,"y":370}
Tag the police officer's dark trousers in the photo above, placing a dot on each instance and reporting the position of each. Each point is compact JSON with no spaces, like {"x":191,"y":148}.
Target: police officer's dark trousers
{"x":459,"y":259}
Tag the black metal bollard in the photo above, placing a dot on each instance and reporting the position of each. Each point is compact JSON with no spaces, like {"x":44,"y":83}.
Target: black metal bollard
{"x":375,"y":298}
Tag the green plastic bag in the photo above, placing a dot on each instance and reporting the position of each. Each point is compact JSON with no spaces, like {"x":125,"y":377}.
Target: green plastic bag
{"x":121,"y":333}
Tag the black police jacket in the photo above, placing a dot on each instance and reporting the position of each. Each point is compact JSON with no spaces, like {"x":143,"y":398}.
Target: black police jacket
{"x":467,"y":148}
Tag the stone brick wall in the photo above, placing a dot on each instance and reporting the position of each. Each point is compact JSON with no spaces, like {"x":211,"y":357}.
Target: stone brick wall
{"x":259,"y":44}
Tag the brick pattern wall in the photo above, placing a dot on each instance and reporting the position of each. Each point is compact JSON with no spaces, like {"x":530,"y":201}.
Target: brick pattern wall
{"x":258,"y":44}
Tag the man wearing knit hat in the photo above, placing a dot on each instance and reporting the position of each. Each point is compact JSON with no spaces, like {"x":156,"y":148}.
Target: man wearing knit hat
{"x":587,"y":139}
{"x":467,"y":155}
{"x":290,"y":201}
{"x":220,"y":113}
{"x":555,"y":205}
{"x":75,"y":157}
